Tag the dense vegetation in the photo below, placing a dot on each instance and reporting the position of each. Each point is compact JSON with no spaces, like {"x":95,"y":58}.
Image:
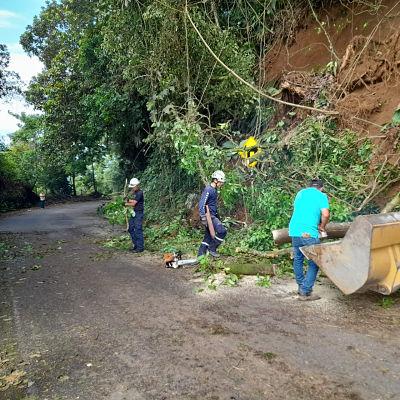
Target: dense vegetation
{"x":13,"y":191}
{"x":130,"y":87}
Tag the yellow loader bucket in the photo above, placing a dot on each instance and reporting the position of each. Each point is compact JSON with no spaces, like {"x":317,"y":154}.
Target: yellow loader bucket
{"x":367,"y":258}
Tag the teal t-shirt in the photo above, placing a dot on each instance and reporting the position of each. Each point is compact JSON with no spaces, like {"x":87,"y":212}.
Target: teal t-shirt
{"x":307,"y":212}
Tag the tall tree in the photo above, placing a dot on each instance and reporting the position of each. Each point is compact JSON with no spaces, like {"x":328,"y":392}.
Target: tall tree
{"x":86,"y":108}
{"x":8,"y":79}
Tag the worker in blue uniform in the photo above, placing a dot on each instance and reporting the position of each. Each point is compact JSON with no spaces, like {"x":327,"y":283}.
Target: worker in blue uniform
{"x":209,"y":200}
{"x":135,"y":202}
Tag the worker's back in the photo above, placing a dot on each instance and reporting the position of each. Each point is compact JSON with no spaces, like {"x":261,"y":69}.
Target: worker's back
{"x":307,"y":212}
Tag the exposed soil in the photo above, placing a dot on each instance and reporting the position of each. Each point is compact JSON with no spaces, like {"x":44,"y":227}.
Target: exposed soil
{"x":364,"y":44}
{"x":82,"y":321}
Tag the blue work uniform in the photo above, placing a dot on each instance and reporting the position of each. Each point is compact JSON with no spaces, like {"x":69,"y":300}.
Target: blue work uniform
{"x":303,"y":229}
{"x":136,"y":222}
{"x":209,"y":198}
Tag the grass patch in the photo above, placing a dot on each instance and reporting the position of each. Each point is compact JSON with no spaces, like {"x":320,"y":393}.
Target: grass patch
{"x":387,"y":302}
{"x":122,"y":242}
{"x":231,"y":279}
{"x":176,"y":236}
{"x":269,"y":355}
{"x":5,"y":251}
{"x":27,"y":248}
{"x":264,"y":281}
{"x":9,"y":250}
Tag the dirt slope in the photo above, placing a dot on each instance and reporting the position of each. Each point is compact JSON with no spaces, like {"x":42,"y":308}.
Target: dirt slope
{"x":364,"y":44}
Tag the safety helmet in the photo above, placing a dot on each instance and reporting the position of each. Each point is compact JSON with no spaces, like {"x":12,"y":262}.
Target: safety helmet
{"x":219,"y":176}
{"x":133,"y":182}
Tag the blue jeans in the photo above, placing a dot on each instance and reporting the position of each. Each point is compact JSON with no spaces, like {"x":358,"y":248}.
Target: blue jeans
{"x":136,"y":230}
{"x":306,"y":282}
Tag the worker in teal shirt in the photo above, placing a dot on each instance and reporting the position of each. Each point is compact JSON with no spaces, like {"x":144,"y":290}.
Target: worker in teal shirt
{"x":309,"y":218}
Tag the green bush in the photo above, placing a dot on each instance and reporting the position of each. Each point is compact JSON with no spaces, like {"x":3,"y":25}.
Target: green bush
{"x":115,"y":211}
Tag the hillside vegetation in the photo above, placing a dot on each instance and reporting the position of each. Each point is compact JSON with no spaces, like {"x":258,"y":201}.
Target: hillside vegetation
{"x":169,"y":91}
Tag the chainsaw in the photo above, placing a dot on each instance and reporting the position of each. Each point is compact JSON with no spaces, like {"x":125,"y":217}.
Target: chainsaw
{"x":174,"y":260}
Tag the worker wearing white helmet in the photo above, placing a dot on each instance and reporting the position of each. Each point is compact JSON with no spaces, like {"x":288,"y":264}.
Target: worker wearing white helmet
{"x":42,"y":199}
{"x":136,"y":201}
{"x":219,"y":176}
{"x":215,"y":232}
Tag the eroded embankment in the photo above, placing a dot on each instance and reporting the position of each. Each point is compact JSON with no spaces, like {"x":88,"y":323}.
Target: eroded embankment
{"x":360,"y":46}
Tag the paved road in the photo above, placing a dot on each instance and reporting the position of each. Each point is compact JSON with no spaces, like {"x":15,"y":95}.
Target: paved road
{"x":93,"y":323}
{"x":51,"y":219}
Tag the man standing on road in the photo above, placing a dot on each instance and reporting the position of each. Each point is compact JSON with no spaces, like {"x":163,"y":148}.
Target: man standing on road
{"x":309,"y":218}
{"x":209,"y":204}
{"x":42,"y":199}
{"x":136,"y":202}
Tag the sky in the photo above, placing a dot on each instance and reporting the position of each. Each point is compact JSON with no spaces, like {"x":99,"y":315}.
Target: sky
{"x":15,"y":15}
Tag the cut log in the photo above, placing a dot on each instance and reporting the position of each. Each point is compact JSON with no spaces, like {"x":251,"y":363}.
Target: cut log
{"x":335,"y":230}
{"x":266,"y":268}
{"x":265,"y":254}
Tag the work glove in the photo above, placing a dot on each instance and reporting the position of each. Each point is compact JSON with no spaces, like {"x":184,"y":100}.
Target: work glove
{"x":203,"y":221}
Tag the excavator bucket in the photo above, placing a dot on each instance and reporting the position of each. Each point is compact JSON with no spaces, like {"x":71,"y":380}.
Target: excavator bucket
{"x":367,"y":258}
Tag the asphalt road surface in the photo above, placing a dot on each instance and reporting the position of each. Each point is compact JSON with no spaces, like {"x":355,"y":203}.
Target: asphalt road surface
{"x":80,"y":321}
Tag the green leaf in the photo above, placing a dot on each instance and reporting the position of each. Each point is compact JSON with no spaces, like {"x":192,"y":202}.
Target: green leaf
{"x":273,"y":91}
{"x":228,"y":145}
{"x":396,"y":117}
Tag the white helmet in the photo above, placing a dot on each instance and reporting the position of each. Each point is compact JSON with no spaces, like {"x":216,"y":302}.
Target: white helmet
{"x":219,"y":176}
{"x":133,"y":182}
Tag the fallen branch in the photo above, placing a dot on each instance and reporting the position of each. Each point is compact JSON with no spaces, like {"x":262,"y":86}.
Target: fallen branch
{"x":395,"y":202}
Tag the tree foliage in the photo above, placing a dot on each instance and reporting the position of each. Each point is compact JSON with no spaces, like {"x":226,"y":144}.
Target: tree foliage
{"x":31,"y":161}
{"x":8,"y":80}
{"x":107,"y":64}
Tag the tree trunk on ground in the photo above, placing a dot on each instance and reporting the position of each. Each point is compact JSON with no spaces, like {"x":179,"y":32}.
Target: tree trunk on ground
{"x":265,"y":254}
{"x":265,"y":268}
{"x":334,"y":230}
{"x":392,"y":204}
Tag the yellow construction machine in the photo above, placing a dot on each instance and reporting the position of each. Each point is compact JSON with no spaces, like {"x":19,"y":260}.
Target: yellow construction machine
{"x":367,"y":258}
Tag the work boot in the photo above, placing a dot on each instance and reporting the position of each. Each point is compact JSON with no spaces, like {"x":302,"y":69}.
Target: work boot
{"x":308,"y":297}
{"x":137,"y":251}
{"x":214,"y":254}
